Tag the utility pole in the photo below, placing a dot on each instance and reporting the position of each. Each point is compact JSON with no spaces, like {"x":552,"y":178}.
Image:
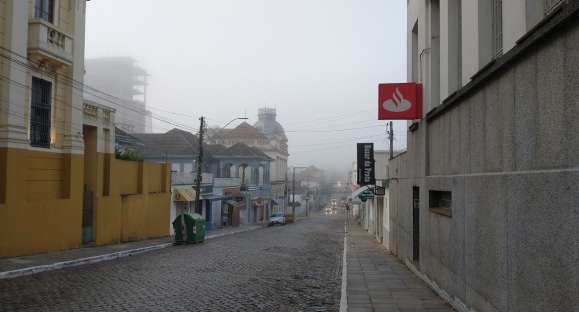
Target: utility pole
{"x":198,"y":208}
{"x":307,"y":207}
{"x":285,"y":194}
{"x":294,"y":192}
{"x":391,"y":138}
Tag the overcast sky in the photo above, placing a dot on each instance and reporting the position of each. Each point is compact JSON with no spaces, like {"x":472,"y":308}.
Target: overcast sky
{"x":318,"y":62}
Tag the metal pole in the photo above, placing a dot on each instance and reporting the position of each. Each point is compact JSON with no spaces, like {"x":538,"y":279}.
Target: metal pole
{"x":198,"y":208}
{"x":285,"y":195}
{"x":391,"y":137}
{"x":294,"y":193}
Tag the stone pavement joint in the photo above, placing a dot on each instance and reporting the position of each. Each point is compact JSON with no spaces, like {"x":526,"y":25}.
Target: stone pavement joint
{"x":282,"y":269}
{"x":28,"y":265}
{"x":378,"y":281}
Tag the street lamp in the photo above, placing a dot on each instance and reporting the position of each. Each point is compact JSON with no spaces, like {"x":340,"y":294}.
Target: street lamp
{"x":198,"y":207}
{"x":294,"y":189}
{"x":232,"y":120}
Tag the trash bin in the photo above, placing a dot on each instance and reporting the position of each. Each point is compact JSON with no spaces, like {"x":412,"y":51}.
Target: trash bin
{"x":189,"y":228}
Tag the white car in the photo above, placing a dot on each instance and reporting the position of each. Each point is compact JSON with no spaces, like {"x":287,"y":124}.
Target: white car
{"x":276,"y":218}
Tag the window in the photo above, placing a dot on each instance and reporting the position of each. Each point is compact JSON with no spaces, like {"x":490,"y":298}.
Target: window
{"x":188,"y":168}
{"x":414,"y":49}
{"x":440,"y":202}
{"x":497,"y":28}
{"x":454,"y":47}
{"x":44,"y":10}
{"x":40,"y":113}
{"x":434,"y":53}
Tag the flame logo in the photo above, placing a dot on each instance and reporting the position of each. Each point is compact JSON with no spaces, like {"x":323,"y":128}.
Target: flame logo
{"x":397,"y":104}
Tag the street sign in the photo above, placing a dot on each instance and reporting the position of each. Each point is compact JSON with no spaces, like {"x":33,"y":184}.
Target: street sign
{"x":367,"y":194}
{"x":399,"y":101}
{"x":366,"y":164}
{"x":379,"y":191}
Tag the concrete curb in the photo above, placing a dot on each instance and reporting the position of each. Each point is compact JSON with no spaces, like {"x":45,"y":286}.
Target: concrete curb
{"x":344,"y":292}
{"x":101,"y":258}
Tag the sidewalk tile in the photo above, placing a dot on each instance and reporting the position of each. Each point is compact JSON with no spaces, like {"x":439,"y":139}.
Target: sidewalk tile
{"x":379,"y":282}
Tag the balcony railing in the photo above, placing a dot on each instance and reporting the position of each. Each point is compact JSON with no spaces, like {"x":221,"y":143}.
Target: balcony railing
{"x":49,"y":43}
{"x":181,"y":178}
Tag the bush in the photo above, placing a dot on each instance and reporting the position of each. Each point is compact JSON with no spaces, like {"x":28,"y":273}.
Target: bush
{"x":130,"y":154}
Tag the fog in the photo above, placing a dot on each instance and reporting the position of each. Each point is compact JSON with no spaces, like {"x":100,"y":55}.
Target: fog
{"x":318,"y":62}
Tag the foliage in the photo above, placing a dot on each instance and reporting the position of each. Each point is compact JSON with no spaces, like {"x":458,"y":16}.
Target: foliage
{"x":124,"y":153}
{"x":295,"y":204}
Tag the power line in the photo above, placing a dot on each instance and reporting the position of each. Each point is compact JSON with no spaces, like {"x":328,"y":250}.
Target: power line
{"x":77,"y":88}
{"x":334,"y":130}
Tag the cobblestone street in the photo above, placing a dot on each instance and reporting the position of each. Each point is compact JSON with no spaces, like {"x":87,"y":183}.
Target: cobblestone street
{"x":284,"y":268}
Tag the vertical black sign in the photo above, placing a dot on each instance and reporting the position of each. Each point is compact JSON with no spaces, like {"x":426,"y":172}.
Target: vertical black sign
{"x":366,"y":164}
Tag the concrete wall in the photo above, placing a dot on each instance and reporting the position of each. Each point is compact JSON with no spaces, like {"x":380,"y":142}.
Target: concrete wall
{"x":36,"y":220}
{"x":138,"y":202}
{"x":509,"y":153}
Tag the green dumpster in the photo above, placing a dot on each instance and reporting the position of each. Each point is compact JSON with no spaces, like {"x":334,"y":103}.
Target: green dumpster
{"x":189,"y":228}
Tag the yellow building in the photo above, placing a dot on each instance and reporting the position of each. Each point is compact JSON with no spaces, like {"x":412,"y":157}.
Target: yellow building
{"x":59,"y":179}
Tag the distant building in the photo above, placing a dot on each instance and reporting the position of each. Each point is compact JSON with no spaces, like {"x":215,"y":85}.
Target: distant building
{"x":268,"y":136}
{"x":126,"y":82}
{"x":235,"y":185}
{"x":310,"y":178}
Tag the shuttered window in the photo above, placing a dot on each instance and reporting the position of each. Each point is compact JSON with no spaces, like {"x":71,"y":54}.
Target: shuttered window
{"x":40,"y":113}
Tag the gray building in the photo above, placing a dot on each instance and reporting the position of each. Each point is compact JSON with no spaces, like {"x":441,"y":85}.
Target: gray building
{"x":124,"y":84}
{"x":484,"y":203}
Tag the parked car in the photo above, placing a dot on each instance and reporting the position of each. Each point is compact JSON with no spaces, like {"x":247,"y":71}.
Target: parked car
{"x":276,"y":218}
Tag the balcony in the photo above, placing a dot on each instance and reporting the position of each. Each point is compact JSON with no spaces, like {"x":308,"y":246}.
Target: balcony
{"x":48,"y":44}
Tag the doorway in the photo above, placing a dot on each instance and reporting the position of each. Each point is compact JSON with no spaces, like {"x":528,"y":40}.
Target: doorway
{"x":380,"y":218}
{"x":89,"y":187}
{"x":416,"y":224}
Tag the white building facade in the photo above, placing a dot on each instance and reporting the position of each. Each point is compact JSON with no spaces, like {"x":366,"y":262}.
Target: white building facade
{"x":483,"y":202}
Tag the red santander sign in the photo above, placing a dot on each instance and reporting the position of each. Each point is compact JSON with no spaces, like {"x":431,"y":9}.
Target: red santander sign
{"x":399,"y":101}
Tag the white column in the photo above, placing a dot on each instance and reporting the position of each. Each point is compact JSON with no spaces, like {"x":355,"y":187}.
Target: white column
{"x":13,"y":117}
{"x":73,"y":140}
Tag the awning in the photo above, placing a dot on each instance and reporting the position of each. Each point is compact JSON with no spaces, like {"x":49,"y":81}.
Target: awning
{"x":233,"y":203}
{"x":360,"y":190}
{"x":183,"y":194}
{"x":211,"y":197}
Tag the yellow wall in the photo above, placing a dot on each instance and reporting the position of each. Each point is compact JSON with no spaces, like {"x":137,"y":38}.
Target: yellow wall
{"x":36,"y":219}
{"x":138,"y":206}
{"x":29,"y":224}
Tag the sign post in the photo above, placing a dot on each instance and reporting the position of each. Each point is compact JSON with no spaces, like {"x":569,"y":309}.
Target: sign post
{"x":366,"y":164}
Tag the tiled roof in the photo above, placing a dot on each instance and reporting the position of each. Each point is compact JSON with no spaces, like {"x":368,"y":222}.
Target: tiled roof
{"x":170,"y":144}
{"x":240,"y":150}
{"x":123,"y":138}
{"x":179,"y":143}
{"x":243,"y":131}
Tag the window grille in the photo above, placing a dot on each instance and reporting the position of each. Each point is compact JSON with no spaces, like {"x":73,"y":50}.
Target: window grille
{"x":497,"y":28}
{"x":40,"y":113}
{"x":551,"y":5}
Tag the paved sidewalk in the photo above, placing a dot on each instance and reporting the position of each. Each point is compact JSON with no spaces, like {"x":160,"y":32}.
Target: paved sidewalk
{"x":19,"y":266}
{"x":377,"y":281}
